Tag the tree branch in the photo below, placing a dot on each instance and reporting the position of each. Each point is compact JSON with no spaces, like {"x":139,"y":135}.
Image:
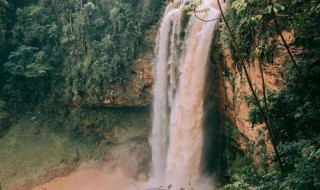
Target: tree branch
{"x":195,"y":14}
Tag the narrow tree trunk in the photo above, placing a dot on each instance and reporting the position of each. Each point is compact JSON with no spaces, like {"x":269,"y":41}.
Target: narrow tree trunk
{"x":265,"y":99}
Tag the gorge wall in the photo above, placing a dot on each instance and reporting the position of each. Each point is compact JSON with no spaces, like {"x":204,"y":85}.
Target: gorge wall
{"x":251,"y":137}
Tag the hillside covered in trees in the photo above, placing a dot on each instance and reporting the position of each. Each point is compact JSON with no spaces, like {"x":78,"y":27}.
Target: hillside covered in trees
{"x":70,"y":51}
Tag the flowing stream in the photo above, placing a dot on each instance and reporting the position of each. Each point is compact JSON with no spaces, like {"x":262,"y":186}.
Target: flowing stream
{"x":182,"y":54}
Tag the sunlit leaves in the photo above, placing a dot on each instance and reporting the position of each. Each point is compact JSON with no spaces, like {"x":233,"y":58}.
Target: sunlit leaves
{"x":4,"y":3}
{"x":39,"y":67}
{"x":191,"y":5}
{"x":315,"y":9}
{"x":28,"y":62}
{"x":19,"y":59}
{"x":239,"y":5}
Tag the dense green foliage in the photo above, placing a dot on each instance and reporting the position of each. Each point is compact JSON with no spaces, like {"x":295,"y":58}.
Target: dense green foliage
{"x":71,"y":51}
{"x":293,"y":110}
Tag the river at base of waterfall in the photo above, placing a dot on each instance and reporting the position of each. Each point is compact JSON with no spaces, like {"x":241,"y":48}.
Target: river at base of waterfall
{"x":89,"y":177}
{"x":105,"y":178}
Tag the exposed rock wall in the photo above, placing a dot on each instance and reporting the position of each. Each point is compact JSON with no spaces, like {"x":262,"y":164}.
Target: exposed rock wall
{"x":237,"y":91}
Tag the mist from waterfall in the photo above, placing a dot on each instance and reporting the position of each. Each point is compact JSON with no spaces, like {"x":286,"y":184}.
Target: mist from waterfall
{"x":182,"y":54}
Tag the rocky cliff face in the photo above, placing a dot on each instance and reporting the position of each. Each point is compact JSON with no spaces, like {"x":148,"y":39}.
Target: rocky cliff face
{"x":237,"y":92}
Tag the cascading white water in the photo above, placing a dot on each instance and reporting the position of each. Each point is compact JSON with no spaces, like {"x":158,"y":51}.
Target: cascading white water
{"x":180,"y":71}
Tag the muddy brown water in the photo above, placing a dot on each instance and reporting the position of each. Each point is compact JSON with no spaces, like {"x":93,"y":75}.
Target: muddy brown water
{"x":90,"y":179}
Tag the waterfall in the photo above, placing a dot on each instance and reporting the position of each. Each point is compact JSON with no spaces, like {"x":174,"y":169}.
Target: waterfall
{"x":182,"y":53}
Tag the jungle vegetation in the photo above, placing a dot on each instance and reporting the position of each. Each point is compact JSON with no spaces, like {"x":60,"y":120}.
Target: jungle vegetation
{"x":291,"y":113}
{"x":70,"y":51}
